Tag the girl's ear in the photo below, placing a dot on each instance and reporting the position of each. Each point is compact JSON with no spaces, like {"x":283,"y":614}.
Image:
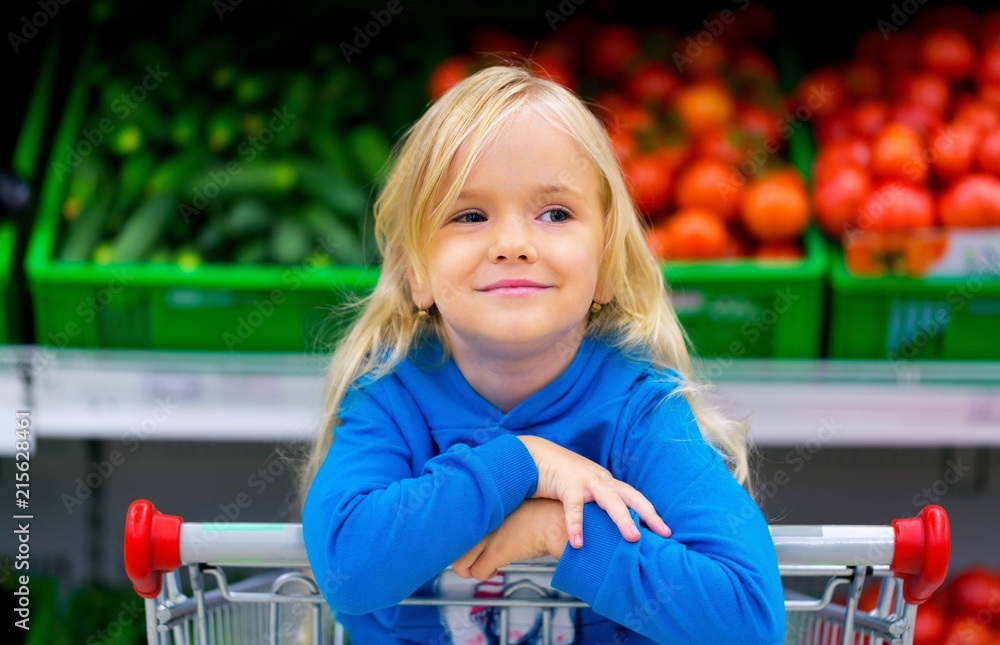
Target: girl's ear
{"x":422,"y":296}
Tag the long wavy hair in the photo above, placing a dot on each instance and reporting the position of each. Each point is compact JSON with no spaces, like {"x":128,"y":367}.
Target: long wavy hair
{"x":459,"y":127}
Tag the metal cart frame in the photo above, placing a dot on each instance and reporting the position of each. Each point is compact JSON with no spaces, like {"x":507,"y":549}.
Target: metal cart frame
{"x":909,"y":558}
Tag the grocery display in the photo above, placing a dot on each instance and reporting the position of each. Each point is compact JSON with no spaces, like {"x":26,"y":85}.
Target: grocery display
{"x":202,"y":184}
{"x":905,"y":184}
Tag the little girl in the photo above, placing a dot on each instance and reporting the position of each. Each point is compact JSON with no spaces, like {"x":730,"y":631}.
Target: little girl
{"x":518,"y":386}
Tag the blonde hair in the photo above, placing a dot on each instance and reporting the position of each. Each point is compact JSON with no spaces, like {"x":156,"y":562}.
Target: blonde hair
{"x":639,"y":320}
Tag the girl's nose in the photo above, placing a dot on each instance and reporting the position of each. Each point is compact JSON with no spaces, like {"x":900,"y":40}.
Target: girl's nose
{"x":512,"y":241}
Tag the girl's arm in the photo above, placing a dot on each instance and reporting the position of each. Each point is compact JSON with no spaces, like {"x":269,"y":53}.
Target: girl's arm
{"x":375,"y":530}
{"x":715,"y":577}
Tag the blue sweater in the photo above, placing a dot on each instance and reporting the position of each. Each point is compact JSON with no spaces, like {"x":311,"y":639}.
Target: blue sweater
{"x":423,"y":467}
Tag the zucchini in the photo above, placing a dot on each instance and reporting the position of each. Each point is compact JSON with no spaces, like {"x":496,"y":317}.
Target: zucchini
{"x":133,"y":174}
{"x":88,"y":229}
{"x":338,"y":238}
{"x":83,"y":185}
{"x":175,"y":173}
{"x":264,"y":178}
{"x":324,"y":183}
{"x":144,"y":228}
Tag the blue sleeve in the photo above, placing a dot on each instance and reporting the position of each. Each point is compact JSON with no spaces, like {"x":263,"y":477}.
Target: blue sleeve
{"x":716,"y":576}
{"x":377,"y":526}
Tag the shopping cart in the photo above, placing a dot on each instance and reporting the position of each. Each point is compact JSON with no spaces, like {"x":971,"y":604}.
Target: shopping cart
{"x":908,"y":560}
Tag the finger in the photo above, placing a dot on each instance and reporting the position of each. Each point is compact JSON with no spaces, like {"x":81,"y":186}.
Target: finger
{"x":463,"y":566}
{"x":608,"y":498}
{"x":647,"y":513}
{"x":573,"y":507}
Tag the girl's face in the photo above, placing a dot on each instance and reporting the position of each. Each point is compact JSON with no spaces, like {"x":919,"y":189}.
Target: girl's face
{"x":530,"y":211}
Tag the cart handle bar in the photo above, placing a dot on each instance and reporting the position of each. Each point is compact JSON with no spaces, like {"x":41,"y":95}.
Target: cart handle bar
{"x":916,"y":548}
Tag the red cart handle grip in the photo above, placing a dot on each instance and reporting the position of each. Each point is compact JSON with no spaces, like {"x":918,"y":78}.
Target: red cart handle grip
{"x":923,"y":548}
{"x":152,"y":546}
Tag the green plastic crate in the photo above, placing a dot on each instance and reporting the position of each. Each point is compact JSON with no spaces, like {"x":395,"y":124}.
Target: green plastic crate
{"x":899,"y":318}
{"x":27,"y":152}
{"x":153,"y":306}
{"x":750,"y":309}
{"x":9,"y":316}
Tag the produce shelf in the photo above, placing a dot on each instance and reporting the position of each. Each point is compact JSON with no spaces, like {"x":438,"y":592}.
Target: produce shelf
{"x":126,"y":395}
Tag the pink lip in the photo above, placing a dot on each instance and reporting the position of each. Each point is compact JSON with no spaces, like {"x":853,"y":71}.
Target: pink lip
{"x":514,"y":286}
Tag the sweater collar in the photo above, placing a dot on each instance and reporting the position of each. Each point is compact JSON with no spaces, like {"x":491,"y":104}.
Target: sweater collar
{"x":461,"y":405}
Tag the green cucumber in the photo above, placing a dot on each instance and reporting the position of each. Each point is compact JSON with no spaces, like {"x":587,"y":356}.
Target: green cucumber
{"x":133,"y":174}
{"x":176,"y":172}
{"x":324,"y":183}
{"x":338,"y":238}
{"x":275,"y":178}
{"x":88,"y":229}
{"x":253,"y":88}
{"x":144,"y":228}
{"x":291,"y":241}
{"x":83,"y":185}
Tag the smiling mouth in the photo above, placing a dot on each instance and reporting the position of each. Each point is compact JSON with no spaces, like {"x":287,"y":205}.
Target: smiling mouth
{"x":514,"y":291}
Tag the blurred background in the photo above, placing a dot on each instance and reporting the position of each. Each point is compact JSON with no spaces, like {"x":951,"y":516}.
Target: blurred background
{"x":187,"y":195}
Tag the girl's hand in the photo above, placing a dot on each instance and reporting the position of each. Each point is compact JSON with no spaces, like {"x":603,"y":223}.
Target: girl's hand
{"x":575,"y":480}
{"x":532,"y":530}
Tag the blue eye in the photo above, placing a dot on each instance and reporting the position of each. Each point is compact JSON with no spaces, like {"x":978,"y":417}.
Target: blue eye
{"x":460,"y":218}
{"x":563,"y":213}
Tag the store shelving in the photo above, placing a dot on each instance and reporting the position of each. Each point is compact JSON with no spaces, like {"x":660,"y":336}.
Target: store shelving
{"x":273,"y":397}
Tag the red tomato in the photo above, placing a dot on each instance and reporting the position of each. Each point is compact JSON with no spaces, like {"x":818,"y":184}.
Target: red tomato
{"x":870,"y":46}
{"x":848,"y":152}
{"x":624,"y":144}
{"x":973,"y":200}
{"x":729,"y":145}
{"x":834,"y":127}
{"x":931,"y":624}
{"x":653,"y":81}
{"x":759,"y":123}
{"x":703,"y":106}
{"x":837,"y":196}
{"x":651,"y":181}
{"x":948,"y":52}
{"x":895,"y":205}
{"x":947,"y":16}
{"x":898,"y":153}
{"x":823,"y":90}
{"x":560,"y":47}
{"x":978,"y":113}
{"x":966,"y":631}
{"x":449,"y":73}
{"x":710,"y":184}
{"x":988,"y":157}
{"x":612,"y":49}
{"x":869,"y":117}
{"x":975,"y":590}
{"x":690,"y":234}
{"x":929,"y":90}
{"x":774,"y":209}
{"x":953,"y":150}
{"x":919,"y":117}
